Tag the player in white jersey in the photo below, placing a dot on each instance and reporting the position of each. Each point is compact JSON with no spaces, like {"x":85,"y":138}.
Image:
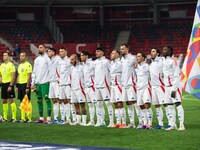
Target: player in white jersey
{"x":40,"y":82}
{"x":102,"y":87}
{"x":54,"y":82}
{"x":116,"y":88}
{"x":173,"y":90}
{"x":64,"y":70}
{"x":129,"y":85}
{"x":157,"y":85}
{"x":88,"y":71}
{"x":78,"y":97}
{"x":144,"y":90}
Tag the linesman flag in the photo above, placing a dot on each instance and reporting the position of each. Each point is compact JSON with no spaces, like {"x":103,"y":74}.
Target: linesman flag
{"x":25,"y":105}
{"x":190,"y":74}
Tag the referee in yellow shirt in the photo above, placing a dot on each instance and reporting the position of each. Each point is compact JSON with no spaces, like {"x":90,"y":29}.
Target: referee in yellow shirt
{"x":7,"y":79}
{"x":23,"y":84}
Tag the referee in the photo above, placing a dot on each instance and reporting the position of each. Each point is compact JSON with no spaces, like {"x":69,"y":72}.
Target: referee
{"x":23,"y":84}
{"x":7,"y":79}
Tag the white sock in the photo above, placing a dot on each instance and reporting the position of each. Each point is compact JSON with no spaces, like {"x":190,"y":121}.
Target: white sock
{"x":110,"y":111}
{"x":101,"y":111}
{"x":73,"y":111}
{"x":55,"y":110}
{"x":144,"y":116}
{"x":180,"y":114}
{"x":97,"y":112}
{"x":62,"y":112}
{"x":91,"y":111}
{"x":78,"y":118}
{"x":131,"y":113}
{"x":171,"y":117}
{"x":159,"y":114}
{"x":139,"y":113}
{"x":174,"y":114}
{"x":84,"y":119}
{"x":149,"y":115}
{"x":117,"y":115}
{"x":167,"y":113}
{"x":67,"y":111}
{"x":123,"y":115}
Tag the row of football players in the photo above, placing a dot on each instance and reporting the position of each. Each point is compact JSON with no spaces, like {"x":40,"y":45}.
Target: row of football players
{"x":122,"y":79}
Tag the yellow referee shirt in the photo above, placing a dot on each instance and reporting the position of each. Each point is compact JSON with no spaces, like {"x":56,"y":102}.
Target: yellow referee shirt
{"x":23,"y":70}
{"x":6,"y":70}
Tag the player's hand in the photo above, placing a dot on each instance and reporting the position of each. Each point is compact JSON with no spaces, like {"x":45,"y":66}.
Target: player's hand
{"x":33,"y":87}
{"x":16,"y":89}
{"x":27,"y":91}
{"x":9,"y":89}
{"x":173,"y":94}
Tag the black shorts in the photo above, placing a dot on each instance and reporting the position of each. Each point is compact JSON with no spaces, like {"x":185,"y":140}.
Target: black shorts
{"x":4,"y":91}
{"x":22,"y":91}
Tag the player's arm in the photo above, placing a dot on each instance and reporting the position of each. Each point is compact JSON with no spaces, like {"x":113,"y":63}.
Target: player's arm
{"x":0,"y":79}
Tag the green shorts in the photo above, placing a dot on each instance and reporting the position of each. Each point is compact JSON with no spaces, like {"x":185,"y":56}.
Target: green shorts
{"x":42,"y":90}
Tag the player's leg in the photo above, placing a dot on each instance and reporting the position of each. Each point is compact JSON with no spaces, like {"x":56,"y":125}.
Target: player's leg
{"x":40,"y":103}
{"x":90,"y":97}
{"x":180,"y":109}
{"x":105,"y":92}
{"x":4,"y":97}
{"x":45,"y":93}
{"x":11,"y":96}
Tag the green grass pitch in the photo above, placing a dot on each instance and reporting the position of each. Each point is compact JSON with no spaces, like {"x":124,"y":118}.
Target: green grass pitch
{"x":106,"y":137}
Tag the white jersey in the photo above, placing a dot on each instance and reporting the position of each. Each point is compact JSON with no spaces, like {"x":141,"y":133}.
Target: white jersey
{"x":171,"y":72}
{"x":64,"y":70}
{"x":116,"y":72}
{"x":143,"y":76}
{"x":40,"y":74}
{"x":156,"y":72}
{"x":53,"y":68}
{"x":102,"y":73}
{"x":128,"y":70}
{"x":77,"y":77}
{"x":88,"y":70}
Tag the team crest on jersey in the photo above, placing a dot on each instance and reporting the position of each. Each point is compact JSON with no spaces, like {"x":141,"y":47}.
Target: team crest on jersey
{"x":22,"y":69}
{"x":132,"y":98}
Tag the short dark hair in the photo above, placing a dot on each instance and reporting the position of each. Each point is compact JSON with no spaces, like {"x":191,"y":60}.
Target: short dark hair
{"x":52,"y":49}
{"x":118,"y":51}
{"x":24,"y":53}
{"x":170,"y":49}
{"x":143,"y":54}
{"x":125,"y":44}
{"x":157,"y":50}
{"x":86,"y":53}
{"x":7,"y":52}
{"x":63,"y":48}
{"x":101,"y":49}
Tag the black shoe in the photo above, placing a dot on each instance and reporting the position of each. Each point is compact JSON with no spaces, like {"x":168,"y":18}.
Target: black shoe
{"x":13,"y":120}
{"x":28,"y":121}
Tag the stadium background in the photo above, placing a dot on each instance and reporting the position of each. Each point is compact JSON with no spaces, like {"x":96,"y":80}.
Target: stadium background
{"x":84,"y":24}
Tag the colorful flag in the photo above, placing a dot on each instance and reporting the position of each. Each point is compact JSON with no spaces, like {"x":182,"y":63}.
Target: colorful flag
{"x":25,"y":105}
{"x":190,"y":74}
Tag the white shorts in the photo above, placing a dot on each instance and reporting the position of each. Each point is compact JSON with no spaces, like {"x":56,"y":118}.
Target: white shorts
{"x":143,"y":96}
{"x":77,"y":96}
{"x":116,"y":94}
{"x":129,"y":93}
{"x":158,"y":95}
{"x":54,"y":90}
{"x":90,"y":94}
{"x":102,"y":94}
{"x":65,"y":92}
{"x":169,"y":99}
